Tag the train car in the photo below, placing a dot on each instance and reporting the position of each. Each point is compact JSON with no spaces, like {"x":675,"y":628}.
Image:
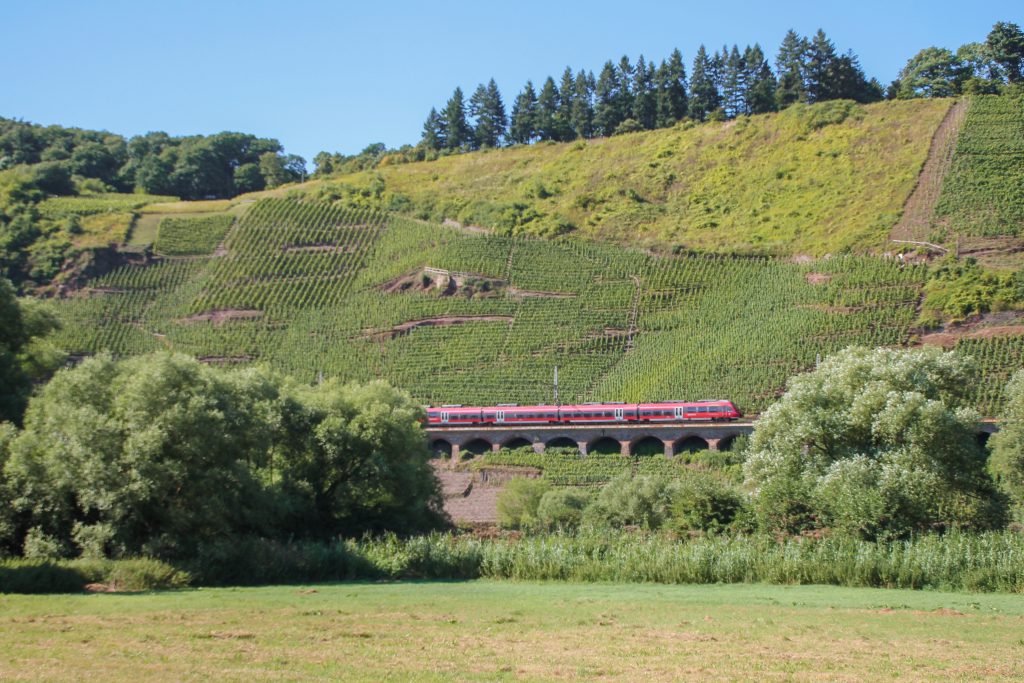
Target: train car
{"x":454,"y":415}
{"x":585,"y":413}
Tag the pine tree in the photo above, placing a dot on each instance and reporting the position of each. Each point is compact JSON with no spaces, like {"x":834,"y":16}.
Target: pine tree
{"x":583,"y":105}
{"x":821,"y":65}
{"x":734,"y":85}
{"x":457,"y":131}
{"x":547,"y":111}
{"x":704,"y":97}
{"x":624,"y":96}
{"x":676,"y":82}
{"x":607,"y":115}
{"x":523,"y":128}
{"x":433,"y":132}
{"x":567,"y":96}
{"x":761,"y":82}
{"x":644,"y":103}
{"x":790,"y":67}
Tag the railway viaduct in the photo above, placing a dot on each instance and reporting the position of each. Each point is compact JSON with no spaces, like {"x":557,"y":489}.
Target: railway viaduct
{"x":627,"y":439}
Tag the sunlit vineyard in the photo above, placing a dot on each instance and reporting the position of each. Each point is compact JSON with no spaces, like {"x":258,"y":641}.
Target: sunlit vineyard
{"x":981,"y":194}
{"x":191,"y":235}
{"x":460,"y":317}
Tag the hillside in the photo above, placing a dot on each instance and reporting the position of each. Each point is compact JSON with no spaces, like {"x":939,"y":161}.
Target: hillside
{"x":458,"y":316}
{"x":810,"y":180}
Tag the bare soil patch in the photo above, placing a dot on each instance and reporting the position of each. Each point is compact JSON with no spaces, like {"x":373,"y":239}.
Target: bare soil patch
{"x":224,"y":360}
{"x":439,"y":321}
{"x":948,"y":338}
{"x":473,"y":229}
{"x":318,"y":248}
{"x":919,"y":209}
{"x":222,"y":316}
{"x":818,"y":278}
{"x":544,"y":295}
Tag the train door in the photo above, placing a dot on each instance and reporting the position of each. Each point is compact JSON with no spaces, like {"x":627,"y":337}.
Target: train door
{"x":444,"y":416}
{"x":500,"y":416}
{"x":618,"y":413}
{"x":677,"y":412}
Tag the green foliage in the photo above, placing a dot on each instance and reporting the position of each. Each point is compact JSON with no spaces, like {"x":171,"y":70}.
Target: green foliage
{"x":981,"y":192}
{"x":562,"y":509}
{"x":874,"y":443}
{"x":957,"y":289}
{"x":192,"y":235}
{"x":160,"y":455}
{"x":1007,"y":446}
{"x":703,"y":502}
{"x":72,"y":576}
{"x":518,"y":502}
{"x":628,"y":500}
{"x":26,"y":352}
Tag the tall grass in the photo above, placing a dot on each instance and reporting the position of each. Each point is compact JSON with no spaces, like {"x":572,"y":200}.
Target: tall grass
{"x":974,"y":562}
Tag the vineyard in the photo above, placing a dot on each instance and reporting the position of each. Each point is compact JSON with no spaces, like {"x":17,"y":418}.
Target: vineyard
{"x":981,"y":195}
{"x":462,"y":317}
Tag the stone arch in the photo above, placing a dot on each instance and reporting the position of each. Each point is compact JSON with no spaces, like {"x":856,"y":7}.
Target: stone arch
{"x":726,"y":442}
{"x":982,"y":438}
{"x":606,"y":445}
{"x":441,"y":448}
{"x":477,"y":446}
{"x":648,"y":445}
{"x":561,"y":442}
{"x":516,"y":442}
{"x":691,"y":444}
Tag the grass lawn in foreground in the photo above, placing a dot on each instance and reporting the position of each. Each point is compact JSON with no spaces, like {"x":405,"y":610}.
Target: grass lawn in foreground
{"x":485,"y":630}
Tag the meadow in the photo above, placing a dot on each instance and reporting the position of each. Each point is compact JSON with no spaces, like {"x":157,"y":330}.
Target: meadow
{"x":486,"y":630}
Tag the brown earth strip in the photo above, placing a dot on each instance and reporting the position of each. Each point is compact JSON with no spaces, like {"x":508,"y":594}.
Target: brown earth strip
{"x":949,"y":338}
{"x":222,"y":316}
{"x":919,"y":209}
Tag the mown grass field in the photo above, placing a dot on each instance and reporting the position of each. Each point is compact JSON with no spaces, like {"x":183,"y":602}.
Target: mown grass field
{"x":488,"y":630}
{"x":810,"y":180}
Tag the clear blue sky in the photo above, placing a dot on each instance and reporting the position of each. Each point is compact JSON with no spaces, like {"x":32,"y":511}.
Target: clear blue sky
{"x":338,"y":75}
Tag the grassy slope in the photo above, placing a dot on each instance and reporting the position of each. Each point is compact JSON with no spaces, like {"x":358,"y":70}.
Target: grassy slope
{"x":811,"y":180}
{"x":508,"y":631}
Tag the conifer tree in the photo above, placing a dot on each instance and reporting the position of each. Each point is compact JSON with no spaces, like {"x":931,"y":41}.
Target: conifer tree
{"x":676,"y":82}
{"x":644,"y":104}
{"x":488,"y":111}
{"x":734,"y":84}
{"x":790,"y":67}
{"x":704,"y":97}
{"x":547,"y":111}
{"x":567,"y":96}
{"x":761,"y":82}
{"x":523,"y":128}
{"x":583,"y":105}
{"x":457,"y":131}
{"x":433,"y":132}
{"x":821,"y":64}
{"x":607,"y":115}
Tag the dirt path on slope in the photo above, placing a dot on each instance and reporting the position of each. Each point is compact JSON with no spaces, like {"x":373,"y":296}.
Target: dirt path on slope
{"x":919,"y":210}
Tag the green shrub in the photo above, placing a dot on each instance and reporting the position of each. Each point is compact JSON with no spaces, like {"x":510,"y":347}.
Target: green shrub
{"x":518,"y":502}
{"x":562,"y":508}
{"x":628,"y":500}
{"x":703,"y":503}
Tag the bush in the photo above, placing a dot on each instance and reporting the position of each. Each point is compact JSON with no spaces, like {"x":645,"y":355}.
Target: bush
{"x":562,"y":509}
{"x":72,"y":576}
{"x":628,"y":500}
{"x":518,"y":502}
{"x":703,"y":503}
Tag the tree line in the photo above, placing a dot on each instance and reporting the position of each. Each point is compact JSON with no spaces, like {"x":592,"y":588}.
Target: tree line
{"x":974,"y":69}
{"x":190,"y":167}
{"x":625,"y":96}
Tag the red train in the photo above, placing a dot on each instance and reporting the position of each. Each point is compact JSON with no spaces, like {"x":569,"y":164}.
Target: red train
{"x":584,"y":413}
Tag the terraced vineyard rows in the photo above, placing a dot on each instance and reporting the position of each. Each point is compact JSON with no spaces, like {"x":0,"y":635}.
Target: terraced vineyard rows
{"x":455,"y":317}
{"x":981,"y":195}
